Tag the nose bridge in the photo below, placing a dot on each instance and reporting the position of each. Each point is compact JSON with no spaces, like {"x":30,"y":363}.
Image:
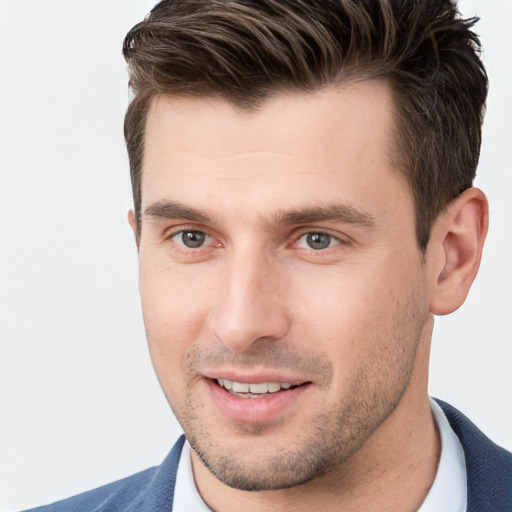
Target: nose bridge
{"x":249,"y":307}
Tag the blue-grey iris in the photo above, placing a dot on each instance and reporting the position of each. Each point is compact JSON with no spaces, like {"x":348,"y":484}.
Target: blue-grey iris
{"x":318,"y":241}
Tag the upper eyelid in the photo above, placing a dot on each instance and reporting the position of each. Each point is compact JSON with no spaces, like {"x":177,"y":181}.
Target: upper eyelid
{"x":333,"y":237}
{"x":320,"y":231}
{"x":170,"y":232}
{"x":180,"y":228}
{"x":183,"y":249}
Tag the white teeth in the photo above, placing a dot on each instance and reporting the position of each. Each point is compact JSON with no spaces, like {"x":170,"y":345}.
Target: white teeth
{"x":259,"y":388}
{"x":274,"y":387}
{"x":239,"y":387}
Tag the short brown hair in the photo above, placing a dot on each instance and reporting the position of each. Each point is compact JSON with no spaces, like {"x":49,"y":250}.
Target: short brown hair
{"x":246,"y":50}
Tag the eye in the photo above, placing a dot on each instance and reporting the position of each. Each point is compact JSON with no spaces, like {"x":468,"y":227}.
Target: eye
{"x":191,"y":239}
{"x":317,"y":241}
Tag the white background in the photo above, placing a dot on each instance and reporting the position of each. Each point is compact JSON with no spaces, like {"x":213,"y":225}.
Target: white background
{"x":79,"y":404}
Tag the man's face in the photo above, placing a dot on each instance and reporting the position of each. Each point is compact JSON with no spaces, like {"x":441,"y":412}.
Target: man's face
{"x":283,"y":291}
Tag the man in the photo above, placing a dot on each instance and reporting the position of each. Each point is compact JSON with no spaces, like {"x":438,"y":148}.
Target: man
{"x":303,"y":207}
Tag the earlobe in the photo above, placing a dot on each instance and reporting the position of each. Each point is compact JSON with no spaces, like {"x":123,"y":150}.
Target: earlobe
{"x":133,"y":225}
{"x":459,"y":234}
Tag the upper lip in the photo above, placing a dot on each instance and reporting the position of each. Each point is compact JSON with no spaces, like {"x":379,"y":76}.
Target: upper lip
{"x":253,"y":377}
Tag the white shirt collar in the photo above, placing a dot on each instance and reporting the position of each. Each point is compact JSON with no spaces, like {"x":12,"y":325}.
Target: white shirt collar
{"x":448,"y":492}
{"x":186,"y":497}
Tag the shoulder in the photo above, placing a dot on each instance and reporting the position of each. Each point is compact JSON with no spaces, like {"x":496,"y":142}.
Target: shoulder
{"x":488,"y":466}
{"x":147,"y":491}
{"x":118,"y":493}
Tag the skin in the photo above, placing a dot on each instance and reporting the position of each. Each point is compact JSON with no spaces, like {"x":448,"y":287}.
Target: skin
{"x":351,"y":322}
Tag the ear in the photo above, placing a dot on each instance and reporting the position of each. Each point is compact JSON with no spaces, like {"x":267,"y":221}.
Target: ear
{"x":457,"y":242}
{"x":133,"y":225}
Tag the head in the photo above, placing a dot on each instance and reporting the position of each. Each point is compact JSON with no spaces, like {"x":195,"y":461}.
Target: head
{"x":301,"y":176}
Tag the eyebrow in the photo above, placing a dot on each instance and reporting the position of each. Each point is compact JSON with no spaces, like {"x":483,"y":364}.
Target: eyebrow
{"x":175,"y":210}
{"x":344,"y":213}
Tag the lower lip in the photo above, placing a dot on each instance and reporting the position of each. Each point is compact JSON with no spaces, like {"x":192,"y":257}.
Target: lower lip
{"x":254,"y":410}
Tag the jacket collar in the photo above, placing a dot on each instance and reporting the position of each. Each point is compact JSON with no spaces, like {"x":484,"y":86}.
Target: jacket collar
{"x":489,"y":467}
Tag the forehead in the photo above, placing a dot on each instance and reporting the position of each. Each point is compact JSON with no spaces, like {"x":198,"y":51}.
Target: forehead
{"x":330,"y":145}
{"x":282,"y":122}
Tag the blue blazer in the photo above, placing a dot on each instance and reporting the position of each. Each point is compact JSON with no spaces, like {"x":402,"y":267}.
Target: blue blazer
{"x":489,"y":472}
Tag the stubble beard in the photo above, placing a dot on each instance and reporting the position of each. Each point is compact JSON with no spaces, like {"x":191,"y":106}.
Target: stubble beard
{"x":332,"y":437}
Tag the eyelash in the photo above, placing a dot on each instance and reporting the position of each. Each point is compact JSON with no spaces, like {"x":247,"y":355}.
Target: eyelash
{"x":332,"y":238}
{"x":295,"y":241}
{"x":183,"y":248}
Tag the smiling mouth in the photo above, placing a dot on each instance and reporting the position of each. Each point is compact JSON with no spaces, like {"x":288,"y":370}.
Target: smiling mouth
{"x":253,"y":390}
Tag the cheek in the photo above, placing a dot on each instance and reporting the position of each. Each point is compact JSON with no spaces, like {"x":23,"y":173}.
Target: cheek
{"x":342,"y":302}
{"x":355,"y":318}
{"x":174,"y":307}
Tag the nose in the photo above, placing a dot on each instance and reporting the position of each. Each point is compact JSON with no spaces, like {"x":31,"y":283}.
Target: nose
{"x":252,"y":305}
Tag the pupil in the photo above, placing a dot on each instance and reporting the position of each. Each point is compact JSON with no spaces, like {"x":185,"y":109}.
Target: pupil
{"x":193,"y":239}
{"x":318,"y":240}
